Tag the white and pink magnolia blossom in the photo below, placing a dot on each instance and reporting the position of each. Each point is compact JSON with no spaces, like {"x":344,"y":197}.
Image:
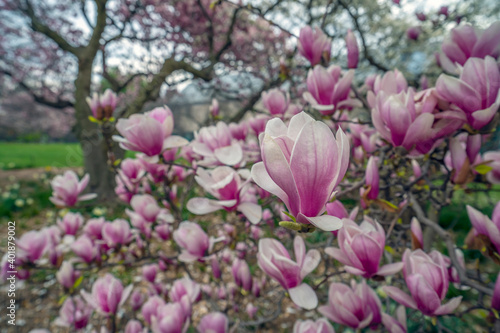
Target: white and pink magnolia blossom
{"x":85,"y":248}
{"x":194,"y":242}
{"x":465,"y":42}
{"x":308,"y":326}
{"x":74,"y":313}
{"x":66,"y":189}
{"x":32,"y":245}
{"x":485,"y":226}
{"x":215,"y":322}
{"x":357,"y":306}
{"x":231,"y":192}
{"x":102,"y":106}
{"x":149,"y":133}
{"x":314,"y":45}
{"x":427,"y":279}
{"x":352,"y":50}
{"x":398,"y":324}
{"x":274,"y":259}
{"x":216,"y":146}
{"x":67,"y":275}
{"x":117,"y":233}
{"x":302,"y":165}
{"x":328,"y":91}
{"x":492,"y":159}
{"x":476,"y":93}
{"x":170,"y":318}
{"x":276,"y":101}
{"x":108,"y":295}
{"x":361,"y":249}
{"x":150,"y":308}
{"x":241,"y":274}
{"x":70,"y":223}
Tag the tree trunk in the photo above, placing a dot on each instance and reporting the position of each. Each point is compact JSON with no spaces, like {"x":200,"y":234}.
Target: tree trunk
{"x":92,"y":142}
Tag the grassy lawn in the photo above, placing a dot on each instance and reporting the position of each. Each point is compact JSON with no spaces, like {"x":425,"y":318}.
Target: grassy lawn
{"x":33,"y":155}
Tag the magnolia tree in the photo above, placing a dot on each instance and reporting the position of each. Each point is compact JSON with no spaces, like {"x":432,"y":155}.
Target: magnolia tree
{"x":206,"y":243}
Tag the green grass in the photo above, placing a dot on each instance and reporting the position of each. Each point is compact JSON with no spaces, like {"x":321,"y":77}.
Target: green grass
{"x":33,"y":155}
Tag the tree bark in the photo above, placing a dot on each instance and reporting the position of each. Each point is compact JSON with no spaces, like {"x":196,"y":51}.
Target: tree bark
{"x":93,"y":144}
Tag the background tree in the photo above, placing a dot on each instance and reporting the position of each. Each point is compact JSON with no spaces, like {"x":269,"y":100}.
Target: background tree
{"x":56,"y":51}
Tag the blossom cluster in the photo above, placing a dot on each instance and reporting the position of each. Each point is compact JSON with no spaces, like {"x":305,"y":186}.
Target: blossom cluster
{"x":207,"y":255}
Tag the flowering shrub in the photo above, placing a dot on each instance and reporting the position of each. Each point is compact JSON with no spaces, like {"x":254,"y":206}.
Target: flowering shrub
{"x":207,"y":240}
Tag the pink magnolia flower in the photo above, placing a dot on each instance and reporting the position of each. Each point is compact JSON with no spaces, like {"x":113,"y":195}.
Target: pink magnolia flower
{"x":421,"y":16}
{"x":328,"y":91}
{"x":427,"y":280}
{"x":108,"y":294}
{"x":149,"y":133}
{"x":117,"y":233}
{"x":458,"y":160}
{"x":193,"y":241}
{"x":74,"y":313}
{"x":136,"y":300}
{"x":483,"y":225}
{"x":67,"y":275}
{"x":251,"y":310}
{"x":475,"y":92}
{"x":302,"y":165}
{"x":398,"y":324}
{"x":85,"y":248}
{"x":417,"y":237}
{"x":275,"y":101}
{"x":214,"y":108}
{"x":70,"y":223}
{"x":314,"y":45}
{"x":356,"y":307}
{"x":170,"y":318}
{"x":361,"y":249}
{"x":32,"y":245}
{"x":413,"y":33}
{"x":308,"y":326}
{"x":275,"y":261}
{"x":66,"y":189}
{"x":102,"y":107}
{"x":215,"y":322}
{"x":466,"y":41}
{"x":226,"y":185}
{"x":352,"y":50}
{"x":395,"y":118}
{"x":239,"y":131}
{"x":93,"y":227}
{"x":241,"y":274}
{"x":150,"y":308}
{"x":144,"y":207}
{"x":134,"y":326}
{"x":131,"y":170}
{"x":372,"y":179}
{"x":391,"y":83}
{"x":492,"y":158}
{"x":149,"y":272}
{"x":185,"y":287}
{"x":258,"y":123}
{"x":217,"y":146}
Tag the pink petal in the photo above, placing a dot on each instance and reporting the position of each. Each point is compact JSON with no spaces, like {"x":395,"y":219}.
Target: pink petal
{"x":399,"y":296}
{"x":448,"y":307}
{"x":252,"y":212}
{"x":390,"y":269}
{"x":304,"y":296}
{"x":325,"y":222}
